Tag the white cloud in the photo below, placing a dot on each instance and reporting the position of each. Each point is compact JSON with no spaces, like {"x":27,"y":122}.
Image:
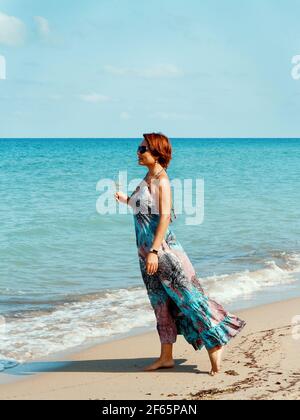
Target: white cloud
{"x":174,"y":116}
{"x":115,"y":70}
{"x":161,"y":71}
{"x":42,"y":26}
{"x":165,"y":70}
{"x":94,"y":98}
{"x":125,"y":115}
{"x":12,"y":30}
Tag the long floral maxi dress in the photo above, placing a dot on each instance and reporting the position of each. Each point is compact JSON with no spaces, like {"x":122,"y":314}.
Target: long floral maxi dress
{"x":175,"y":293}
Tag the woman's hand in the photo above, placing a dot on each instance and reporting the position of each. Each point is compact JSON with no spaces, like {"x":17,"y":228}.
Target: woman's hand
{"x":151,"y":263}
{"x":121,"y":197}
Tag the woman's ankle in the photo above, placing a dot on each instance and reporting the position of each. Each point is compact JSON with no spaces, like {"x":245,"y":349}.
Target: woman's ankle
{"x":166,"y":358}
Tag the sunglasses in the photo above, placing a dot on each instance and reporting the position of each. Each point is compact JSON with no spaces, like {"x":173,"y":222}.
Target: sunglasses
{"x":142,"y":149}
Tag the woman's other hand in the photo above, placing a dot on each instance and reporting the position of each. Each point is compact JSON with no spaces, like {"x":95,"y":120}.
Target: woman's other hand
{"x":151,"y":263}
{"x":121,"y":197}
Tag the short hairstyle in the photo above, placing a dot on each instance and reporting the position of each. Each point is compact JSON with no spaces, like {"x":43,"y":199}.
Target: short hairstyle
{"x":160,"y":147}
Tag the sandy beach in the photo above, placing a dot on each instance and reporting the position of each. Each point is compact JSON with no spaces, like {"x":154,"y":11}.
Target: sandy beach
{"x":261,"y":363}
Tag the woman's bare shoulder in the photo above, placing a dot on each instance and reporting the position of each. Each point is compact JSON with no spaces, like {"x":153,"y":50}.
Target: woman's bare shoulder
{"x":161,"y":182}
{"x":164,"y":180}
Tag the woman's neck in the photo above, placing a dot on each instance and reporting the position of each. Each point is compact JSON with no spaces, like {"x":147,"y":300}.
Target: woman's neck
{"x":154,"y":169}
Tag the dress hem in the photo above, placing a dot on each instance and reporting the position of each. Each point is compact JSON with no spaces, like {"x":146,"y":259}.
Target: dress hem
{"x":221,"y":334}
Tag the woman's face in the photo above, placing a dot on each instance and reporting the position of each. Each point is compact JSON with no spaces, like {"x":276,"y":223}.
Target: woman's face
{"x":145,"y":158}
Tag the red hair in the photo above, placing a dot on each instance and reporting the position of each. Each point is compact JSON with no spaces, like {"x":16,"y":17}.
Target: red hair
{"x":160,"y":147}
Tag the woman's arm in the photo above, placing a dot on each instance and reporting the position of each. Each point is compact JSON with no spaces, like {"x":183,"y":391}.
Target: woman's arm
{"x":164,"y":198}
{"x":164,"y":195}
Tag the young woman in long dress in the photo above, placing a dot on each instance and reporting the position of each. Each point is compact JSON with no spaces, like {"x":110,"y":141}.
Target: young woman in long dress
{"x":174,"y":290}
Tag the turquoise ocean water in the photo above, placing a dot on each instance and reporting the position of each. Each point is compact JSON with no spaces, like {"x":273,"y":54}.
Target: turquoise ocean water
{"x":70,"y":276}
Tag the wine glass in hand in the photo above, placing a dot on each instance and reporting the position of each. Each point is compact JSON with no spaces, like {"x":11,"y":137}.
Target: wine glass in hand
{"x":119,"y":195}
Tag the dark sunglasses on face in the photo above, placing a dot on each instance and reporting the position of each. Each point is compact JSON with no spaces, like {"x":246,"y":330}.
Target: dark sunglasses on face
{"x":142,"y":149}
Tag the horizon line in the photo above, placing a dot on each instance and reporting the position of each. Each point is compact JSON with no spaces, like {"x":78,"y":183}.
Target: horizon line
{"x":136,"y":138}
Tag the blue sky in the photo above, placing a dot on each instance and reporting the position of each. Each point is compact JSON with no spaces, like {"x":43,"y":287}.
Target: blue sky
{"x":119,"y":68}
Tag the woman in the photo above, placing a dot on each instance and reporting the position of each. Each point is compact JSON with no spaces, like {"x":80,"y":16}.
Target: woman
{"x":175,"y":293}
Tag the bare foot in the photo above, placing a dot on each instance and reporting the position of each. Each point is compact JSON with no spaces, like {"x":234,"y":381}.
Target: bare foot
{"x":215,"y":356}
{"x":160,"y":363}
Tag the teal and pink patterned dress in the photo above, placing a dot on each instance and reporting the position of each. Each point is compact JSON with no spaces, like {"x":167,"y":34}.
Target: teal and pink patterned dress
{"x":175,"y":293}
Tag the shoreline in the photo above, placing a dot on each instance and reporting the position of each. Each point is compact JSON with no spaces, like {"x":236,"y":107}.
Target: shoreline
{"x":260,"y":298}
{"x":261,"y":362}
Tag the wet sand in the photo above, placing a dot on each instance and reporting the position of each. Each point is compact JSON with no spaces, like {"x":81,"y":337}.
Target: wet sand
{"x":262,"y":362}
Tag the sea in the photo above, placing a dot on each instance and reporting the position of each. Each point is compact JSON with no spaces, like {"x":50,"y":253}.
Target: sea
{"x":69,"y":271}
